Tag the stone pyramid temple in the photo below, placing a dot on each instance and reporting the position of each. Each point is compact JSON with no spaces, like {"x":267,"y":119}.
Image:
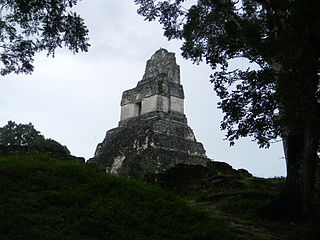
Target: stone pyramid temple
{"x":153,"y":134}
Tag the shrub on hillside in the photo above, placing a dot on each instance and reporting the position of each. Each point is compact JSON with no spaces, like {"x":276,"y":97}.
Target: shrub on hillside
{"x":26,"y":135}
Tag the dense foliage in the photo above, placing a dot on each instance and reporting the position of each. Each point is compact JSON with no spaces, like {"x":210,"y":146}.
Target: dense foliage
{"x":27,"y":27}
{"x":42,"y":198}
{"x":14,"y":134}
{"x":280,"y":37}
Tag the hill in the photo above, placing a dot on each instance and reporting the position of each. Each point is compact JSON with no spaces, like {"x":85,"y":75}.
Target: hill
{"x":44,"y":198}
{"x":238,"y":198}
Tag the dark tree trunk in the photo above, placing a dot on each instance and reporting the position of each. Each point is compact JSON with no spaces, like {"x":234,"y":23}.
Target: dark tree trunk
{"x":298,"y":195}
{"x":297,"y":200}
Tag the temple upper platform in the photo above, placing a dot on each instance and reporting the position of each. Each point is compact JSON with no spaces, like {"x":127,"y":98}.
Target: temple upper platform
{"x":158,"y":91}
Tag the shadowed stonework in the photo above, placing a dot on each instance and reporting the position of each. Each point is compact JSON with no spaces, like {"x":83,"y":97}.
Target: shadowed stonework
{"x":153,"y":134}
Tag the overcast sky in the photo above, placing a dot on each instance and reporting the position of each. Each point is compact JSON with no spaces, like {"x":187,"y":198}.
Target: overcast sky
{"x":75,"y":99}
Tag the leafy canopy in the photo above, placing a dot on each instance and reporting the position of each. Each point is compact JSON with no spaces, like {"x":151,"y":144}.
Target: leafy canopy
{"x":27,"y":27}
{"x":280,"y":37}
{"x":14,"y":134}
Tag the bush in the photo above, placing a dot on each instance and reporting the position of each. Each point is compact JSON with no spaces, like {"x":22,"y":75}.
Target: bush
{"x":26,"y":135}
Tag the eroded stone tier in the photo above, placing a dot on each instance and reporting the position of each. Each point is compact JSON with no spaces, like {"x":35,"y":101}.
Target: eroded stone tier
{"x":153,"y":134}
{"x":159,"y":89}
{"x":148,"y":144}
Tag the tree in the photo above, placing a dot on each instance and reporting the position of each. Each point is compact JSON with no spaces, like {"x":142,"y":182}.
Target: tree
{"x":27,"y":27}
{"x":51,"y":145}
{"x":14,"y":134}
{"x":280,"y":97}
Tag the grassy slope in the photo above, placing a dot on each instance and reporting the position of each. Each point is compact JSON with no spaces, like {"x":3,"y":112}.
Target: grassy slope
{"x":237,"y":199}
{"x":42,"y":198}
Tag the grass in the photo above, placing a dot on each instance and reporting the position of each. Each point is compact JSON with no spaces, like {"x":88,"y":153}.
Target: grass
{"x":237,"y":200}
{"x":43,"y":198}
{"x":229,"y":193}
{"x":246,"y":200}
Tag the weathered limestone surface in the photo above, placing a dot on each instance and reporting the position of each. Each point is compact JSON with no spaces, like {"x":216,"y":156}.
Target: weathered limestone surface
{"x":153,"y":134}
{"x":159,"y":89}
